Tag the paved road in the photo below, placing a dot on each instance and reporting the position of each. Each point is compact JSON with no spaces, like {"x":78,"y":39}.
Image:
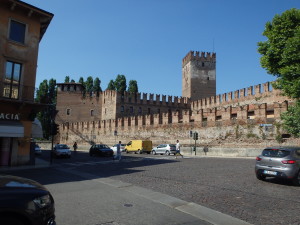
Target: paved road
{"x":224,"y":184}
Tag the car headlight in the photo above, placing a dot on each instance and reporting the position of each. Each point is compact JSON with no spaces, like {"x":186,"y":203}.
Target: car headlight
{"x":42,"y":201}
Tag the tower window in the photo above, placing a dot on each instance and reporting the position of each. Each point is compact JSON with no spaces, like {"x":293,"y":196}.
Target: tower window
{"x":207,"y":78}
{"x":68,"y":112}
{"x":92,"y":112}
{"x":203,"y":64}
{"x":122,"y":108}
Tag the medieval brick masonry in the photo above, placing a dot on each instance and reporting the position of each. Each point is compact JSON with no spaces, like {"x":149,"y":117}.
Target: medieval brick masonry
{"x":252,"y":112}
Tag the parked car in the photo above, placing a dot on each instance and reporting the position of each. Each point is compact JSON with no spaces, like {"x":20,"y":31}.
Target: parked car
{"x":37,"y":149}
{"x":139,"y":146}
{"x":114,"y":148}
{"x":166,"y":149}
{"x":25,"y":202}
{"x":61,"y":150}
{"x":280,"y":162}
{"x":101,"y":150}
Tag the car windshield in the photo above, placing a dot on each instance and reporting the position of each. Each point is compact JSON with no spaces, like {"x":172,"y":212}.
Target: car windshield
{"x":277,"y":153}
{"x":101,"y":146}
{"x":61,"y":146}
{"x":173,"y":146}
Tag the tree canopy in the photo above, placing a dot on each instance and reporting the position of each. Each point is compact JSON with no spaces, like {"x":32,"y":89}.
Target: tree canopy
{"x":111,"y":85}
{"x":281,"y":58}
{"x":120,"y":83}
{"x":133,"y":87}
{"x":281,"y":51}
{"x":46,"y":94}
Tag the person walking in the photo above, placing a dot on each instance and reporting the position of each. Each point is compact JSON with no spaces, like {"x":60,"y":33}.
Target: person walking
{"x":205,"y":149}
{"x":118,"y":156}
{"x":75,"y":146}
{"x":178,"y":150}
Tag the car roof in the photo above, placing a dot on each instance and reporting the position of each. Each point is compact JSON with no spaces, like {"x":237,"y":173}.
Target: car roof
{"x":287,"y":148}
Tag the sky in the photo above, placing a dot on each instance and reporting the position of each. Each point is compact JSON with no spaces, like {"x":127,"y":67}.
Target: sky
{"x":146,"y":40}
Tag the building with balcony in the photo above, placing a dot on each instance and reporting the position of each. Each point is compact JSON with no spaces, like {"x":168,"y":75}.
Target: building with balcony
{"x":22,"y":27}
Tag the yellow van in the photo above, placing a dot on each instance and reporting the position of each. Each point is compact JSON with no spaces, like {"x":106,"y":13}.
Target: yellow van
{"x":139,"y":146}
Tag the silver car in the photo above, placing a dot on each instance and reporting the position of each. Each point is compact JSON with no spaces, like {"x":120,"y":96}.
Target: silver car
{"x":166,"y":149}
{"x":280,"y":162}
{"x":61,"y":150}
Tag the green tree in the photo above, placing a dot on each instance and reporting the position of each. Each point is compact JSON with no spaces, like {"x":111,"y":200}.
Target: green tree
{"x":67,"y":79}
{"x":81,"y":81}
{"x":89,"y":85}
{"x":46,"y":94}
{"x":42,"y":92}
{"x":120,"y":83}
{"x":72,"y":81}
{"x":281,"y":58}
{"x":111,"y":85}
{"x":97,"y":88}
{"x":133,"y":87}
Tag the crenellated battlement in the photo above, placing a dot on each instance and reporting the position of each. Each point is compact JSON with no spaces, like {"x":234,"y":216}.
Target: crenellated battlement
{"x":150,"y":98}
{"x":256,"y":93}
{"x":199,"y":56}
{"x":70,"y":87}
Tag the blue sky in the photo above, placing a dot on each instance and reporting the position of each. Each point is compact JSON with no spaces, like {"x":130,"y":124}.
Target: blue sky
{"x":146,"y":40}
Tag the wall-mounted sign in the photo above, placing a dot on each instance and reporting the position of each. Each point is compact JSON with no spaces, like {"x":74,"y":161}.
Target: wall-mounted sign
{"x":9,"y":116}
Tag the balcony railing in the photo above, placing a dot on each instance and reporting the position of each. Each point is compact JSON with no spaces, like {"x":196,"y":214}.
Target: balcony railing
{"x":17,"y":92}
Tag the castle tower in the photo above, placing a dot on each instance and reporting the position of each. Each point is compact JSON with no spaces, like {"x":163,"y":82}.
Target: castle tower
{"x":199,"y":75}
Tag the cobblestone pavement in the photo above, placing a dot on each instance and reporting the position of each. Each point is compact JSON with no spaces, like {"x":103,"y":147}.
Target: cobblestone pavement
{"x":227,"y":185}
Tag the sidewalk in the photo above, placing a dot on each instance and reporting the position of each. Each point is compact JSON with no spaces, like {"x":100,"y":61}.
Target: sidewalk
{"x":39,"y":163}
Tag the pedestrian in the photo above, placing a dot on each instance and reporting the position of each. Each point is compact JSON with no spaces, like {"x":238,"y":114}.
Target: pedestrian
{"x":118,"y":156}
{"x":205,"y":149}
{"x":178,"y":150}
{"x":75,"y":146}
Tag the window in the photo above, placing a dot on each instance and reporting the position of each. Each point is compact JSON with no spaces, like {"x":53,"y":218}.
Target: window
{"x":68,"y":111}
{"x":122,"y":108}
{"x":251,"y":115}
{"x":92,"y":112}
{"x":17,"y":31}
{"x":149,"y":110}
{"x":12,"y":80}
{"x":131,"y":109}
{"x":140,"y":110}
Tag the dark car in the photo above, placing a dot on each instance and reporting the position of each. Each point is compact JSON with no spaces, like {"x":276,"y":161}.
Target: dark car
{"x":25,"y":202}
{"x":101,"y":150}
{"x":279,"y":162}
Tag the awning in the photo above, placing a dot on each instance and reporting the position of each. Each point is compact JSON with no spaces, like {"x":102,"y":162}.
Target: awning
{"x":11,"y":129}
{"x":36,"y":130}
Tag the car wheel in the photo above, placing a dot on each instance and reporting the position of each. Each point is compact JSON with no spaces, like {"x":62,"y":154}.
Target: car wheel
{"x":127,"y":152}
{"x":260,"y":176}
{"x":167,"y":153}
{"x":296,"y":180}
{"x":153,"y":152}
{"x":139,"y":152}
{"x":11,"y":221}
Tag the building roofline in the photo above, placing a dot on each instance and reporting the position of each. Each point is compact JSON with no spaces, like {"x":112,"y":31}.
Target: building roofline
{"x":45,"y":17}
